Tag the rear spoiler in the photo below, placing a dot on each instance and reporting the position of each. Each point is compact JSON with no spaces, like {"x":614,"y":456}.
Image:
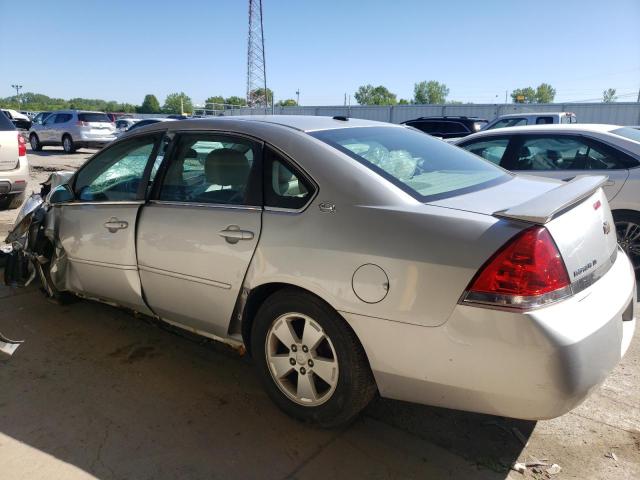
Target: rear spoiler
{"x":542,"y":209}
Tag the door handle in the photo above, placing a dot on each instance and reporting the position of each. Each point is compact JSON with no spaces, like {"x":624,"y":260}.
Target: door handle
{"x":233,"y":234}
{"x":113,"y":224}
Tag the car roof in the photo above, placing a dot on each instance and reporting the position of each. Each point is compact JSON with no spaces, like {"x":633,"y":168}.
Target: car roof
{"x":526,"y":114}
{"x":555,"y":127}
{"x":304,"y":123}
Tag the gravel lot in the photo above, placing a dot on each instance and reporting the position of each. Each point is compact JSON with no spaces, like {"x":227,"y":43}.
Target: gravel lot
{"x":96,"y":392}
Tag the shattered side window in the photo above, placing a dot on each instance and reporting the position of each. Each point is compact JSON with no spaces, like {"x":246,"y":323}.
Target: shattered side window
{"x":116,"y":173}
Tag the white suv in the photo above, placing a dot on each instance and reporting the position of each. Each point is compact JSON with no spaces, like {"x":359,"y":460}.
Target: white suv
{"x":14,"y":168}
{"x":73,"y":129}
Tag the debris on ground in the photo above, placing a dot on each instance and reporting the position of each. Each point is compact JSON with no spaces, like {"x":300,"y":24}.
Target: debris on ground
{"x":612,"y":456}
{"x":554,"y":469}
{"x":519,"y":467}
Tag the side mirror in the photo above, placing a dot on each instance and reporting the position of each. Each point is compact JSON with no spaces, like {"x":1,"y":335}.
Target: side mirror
{"x":61,"y":194}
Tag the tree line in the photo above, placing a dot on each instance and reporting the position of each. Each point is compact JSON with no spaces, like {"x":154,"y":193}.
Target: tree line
{"x":434,"y":92}
{"x":174,"y":103}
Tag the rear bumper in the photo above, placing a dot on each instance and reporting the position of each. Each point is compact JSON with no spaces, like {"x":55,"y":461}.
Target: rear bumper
{"x":15,"y":181}
{"x":534,"y":365}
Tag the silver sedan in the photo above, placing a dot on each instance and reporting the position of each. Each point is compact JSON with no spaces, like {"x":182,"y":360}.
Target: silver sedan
{"x":349,"y":257}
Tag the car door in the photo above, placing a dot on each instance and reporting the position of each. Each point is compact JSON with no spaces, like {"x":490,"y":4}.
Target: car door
{"x":97,"y":229}
{"x":197,"y":235}
{"x":565,"y":156}
{"x":44,"y":132}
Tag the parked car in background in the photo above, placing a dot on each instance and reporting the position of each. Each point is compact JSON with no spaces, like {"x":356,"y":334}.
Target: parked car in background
{"x":18,"y":119}
{"x":539,"y":118}
{"x":123,"y":124}
{"x":148,"y":121}
{"x":14,"y":167}
{"x":351,"y":257}
{"x":73,"y":129}
{"x":40,"y":117}
{"x":566,"y":151}
{"x":447,"y":127}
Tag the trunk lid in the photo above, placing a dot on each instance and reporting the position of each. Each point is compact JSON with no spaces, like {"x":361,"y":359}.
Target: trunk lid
{"x":576,"y":214}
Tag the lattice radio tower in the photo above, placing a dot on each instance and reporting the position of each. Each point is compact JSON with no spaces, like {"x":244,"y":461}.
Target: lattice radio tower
{"x":256,"y":67}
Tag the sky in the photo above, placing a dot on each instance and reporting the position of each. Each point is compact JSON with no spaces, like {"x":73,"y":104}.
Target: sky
{"x":121,"y":50}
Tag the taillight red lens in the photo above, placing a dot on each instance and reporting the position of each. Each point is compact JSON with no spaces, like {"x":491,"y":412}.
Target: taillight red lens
{"x":80,"y":123}
{"x":528,"y":265}
{"x":22,"y":146}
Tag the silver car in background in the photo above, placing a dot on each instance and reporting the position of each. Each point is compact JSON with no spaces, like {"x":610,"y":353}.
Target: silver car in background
{"x":349,"y":257}
{"x":72,"y":129}
{"x":566,"y":151}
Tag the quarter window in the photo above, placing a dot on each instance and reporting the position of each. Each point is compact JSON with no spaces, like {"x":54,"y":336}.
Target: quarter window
{"x":284,"y":186}
{"x":492,"y":150}
{"x":116,"y":173}
{"x":209,"y":168}
{"x":544,"y":120}
{"x":566,"y":153}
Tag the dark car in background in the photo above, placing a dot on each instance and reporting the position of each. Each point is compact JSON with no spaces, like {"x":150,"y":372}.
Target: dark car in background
{"x":448,"y":127}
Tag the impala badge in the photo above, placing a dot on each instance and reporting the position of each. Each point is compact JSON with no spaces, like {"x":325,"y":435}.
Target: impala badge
{"x":606,"y":228}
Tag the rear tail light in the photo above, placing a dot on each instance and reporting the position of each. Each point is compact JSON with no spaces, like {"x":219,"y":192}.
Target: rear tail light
{"x":22,"y":146}
{"x":525,"y":273}
{"x":80,"y":123}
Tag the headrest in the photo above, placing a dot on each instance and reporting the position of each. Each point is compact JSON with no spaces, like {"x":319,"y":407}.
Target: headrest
{"x":226,"y":167}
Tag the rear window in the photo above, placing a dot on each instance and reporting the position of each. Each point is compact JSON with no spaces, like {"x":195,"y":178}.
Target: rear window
{"x":5,"y":123}
{"x":424,"y":167}
{"x":626,"y":132}
{"x":93,"y":117}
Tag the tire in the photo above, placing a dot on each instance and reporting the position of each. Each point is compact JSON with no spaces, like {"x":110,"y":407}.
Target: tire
{"x":67,"y":144}
{"x":628,"y":231}
{"x":350,"y":385}
{"x":36,"y":146}
{"x":10,"y":202}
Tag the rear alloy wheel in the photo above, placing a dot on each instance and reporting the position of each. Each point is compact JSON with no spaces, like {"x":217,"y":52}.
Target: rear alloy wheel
{"x":36,"y":146}
{"x":628,"y":231}
{"x":310,"y":361}
{"x":67,"y":144}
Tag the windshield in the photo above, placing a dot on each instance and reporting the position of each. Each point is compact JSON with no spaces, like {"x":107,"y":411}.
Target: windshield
{"x":508,"y":122}
{"x":626,"y":132}
{"x":424,"y":167}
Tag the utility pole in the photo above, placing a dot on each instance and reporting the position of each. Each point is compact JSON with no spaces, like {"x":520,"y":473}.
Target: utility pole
{"x":18,"y":88}
{"x":505,"y":95}
{"x":298,"y":97}
{"x":256,"y":64}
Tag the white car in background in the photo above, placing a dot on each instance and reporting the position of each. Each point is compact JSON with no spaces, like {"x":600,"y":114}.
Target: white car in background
{"x":123,"y":124}
{"x":531,"y":118}
{"x":14,"y":168}
{"x":566,"y":151}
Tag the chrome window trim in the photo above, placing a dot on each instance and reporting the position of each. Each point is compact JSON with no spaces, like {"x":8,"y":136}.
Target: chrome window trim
{"x":78,"y":203}
{"x":205,"y":205}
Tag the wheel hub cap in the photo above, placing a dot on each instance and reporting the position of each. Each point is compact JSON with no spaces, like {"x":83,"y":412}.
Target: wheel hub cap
{"x":302,"y":360}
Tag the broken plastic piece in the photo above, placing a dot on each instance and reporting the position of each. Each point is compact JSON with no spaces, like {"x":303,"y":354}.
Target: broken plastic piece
{"x":554,"y":469}
{"x":519,"y":467}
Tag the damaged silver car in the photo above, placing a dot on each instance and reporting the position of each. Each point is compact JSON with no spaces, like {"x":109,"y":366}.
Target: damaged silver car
{"x":349,"y":257}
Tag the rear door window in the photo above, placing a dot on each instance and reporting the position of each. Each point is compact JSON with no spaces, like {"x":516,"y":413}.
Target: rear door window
{"x":544,"y":120}
{"x":63,"y":117}
{"x":564,"y":152}
{"x":492,"y":149}
{"x":214,"y":169}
